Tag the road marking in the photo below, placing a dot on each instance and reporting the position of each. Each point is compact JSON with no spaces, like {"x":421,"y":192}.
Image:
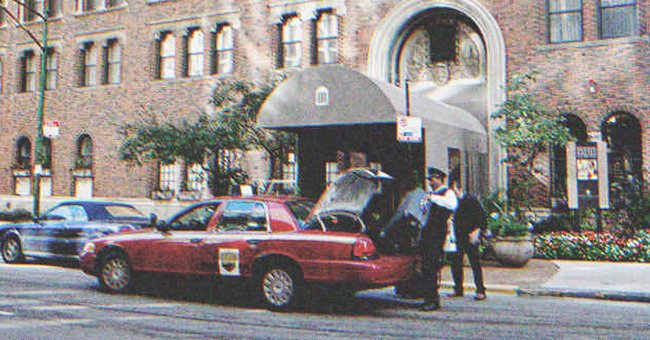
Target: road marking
{"x":36,"y":323}
{"x":57,"y":307}
{"x":3,"y":313}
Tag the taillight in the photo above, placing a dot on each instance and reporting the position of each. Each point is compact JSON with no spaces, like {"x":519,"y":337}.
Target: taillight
{"x":124,"y":228}
{"x":364,"y":249}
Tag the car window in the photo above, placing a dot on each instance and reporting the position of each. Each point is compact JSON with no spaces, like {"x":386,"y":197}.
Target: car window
{"x":122,"y":211}
{"x":67,"y":212}
{"x":196,"y":218}
{"x":342,"y":222}
{"x":243,"y":216}
{"x":300,"y":209}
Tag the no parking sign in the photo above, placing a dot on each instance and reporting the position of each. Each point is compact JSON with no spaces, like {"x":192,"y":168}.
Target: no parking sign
{"x":51,"y":129}
{"x":409,"y":129}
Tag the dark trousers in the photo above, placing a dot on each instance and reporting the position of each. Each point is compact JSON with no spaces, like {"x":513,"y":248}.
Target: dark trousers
{"x":465,"y":247}
{"x":431,"y":251}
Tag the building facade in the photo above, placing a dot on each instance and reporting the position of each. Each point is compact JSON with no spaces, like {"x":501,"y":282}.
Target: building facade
{"x":112,"y":61}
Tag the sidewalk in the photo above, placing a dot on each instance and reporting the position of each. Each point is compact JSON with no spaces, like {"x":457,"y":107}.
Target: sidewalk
{"x":579,"y":279}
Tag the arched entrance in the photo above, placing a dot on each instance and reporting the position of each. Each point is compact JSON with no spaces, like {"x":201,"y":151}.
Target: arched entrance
{"x":396,"y":53}
{"x":578,"y":130}
{"x":622,"y":132}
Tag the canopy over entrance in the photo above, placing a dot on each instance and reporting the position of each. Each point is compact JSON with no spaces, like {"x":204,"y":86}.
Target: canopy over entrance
{"x":335,"y":95}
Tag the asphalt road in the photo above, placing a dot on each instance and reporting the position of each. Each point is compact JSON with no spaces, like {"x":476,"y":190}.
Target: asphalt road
{"x":55,"y":302}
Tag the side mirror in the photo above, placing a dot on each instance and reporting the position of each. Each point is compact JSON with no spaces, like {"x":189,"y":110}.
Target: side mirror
{"x":153,"y":220}
{"x":162,"y":227}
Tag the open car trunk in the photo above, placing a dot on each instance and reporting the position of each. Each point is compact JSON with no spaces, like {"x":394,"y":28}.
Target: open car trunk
{"x":362,"y":201}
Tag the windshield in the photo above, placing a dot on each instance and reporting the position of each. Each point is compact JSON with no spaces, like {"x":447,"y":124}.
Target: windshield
{"x":121,"y":211}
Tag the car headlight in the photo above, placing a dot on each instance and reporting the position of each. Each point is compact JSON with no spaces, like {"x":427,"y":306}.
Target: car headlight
{"x":89,"y":248}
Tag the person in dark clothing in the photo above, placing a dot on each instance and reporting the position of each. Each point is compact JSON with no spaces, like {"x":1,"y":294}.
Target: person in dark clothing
{"x":441,"y":203}
{"x":469,"y":222}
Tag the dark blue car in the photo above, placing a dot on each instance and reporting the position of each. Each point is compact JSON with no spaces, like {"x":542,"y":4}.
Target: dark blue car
{"x":61,"y":232}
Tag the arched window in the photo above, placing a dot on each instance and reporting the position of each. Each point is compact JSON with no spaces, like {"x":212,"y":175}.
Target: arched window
{"x":23,"y":153}
{"x":578,"y":130}
{"x":622,"y":132}
{"x":84,"y":152}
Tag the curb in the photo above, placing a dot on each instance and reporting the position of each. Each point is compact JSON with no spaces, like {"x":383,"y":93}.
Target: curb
{"x":585,"y":294}
{"x":502,"y":289}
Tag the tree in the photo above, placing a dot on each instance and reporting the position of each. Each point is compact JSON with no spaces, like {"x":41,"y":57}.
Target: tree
{"x":216,"y":141}
{"x":528,"y":130}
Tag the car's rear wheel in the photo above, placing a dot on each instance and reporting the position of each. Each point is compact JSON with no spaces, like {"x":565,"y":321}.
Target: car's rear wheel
{"x":12,"y":250}
{"x":115,"y":273}
{"x":279,"y":285}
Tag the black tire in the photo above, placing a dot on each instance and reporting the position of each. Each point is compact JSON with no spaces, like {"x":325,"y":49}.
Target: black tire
{"x":12,"y":250}
{"x":115,"y":274}
{"x":279,"y":286}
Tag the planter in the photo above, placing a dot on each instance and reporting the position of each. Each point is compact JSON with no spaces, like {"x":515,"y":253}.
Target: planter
{"x":513,"y":252}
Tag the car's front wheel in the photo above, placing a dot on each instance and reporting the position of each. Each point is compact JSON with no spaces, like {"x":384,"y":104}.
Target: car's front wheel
{"x":12,"y":250}
{"x":115,"y":273}
{"x":280,"y":285}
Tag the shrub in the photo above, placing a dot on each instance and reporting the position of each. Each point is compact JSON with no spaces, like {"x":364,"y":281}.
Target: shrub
{"x":591,"y":246}
{"x":15,"y":215}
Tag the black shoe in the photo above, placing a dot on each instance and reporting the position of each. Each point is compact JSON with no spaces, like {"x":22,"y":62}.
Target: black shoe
{"x":480,"y":296}
{"x":429,"y":306}
{"x":455,"y":295}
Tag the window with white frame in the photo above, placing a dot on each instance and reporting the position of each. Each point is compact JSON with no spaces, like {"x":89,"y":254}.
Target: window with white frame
{"x":195,"y":53}
{"x":617,"y":18}
{"x":289,"y":167}
{"x":169,"y":175}
{"x":327,"y":35}
{"x":196,"y":177}
{"x":167,"y":55}
{"x":28,"y":71}
{"x":331,"y":172}
{"x":291,"y":42}
{"x":564,"y":20}
{"x":89,"y":67}
{"x":225,"y":48}
{"x":51,"y":69}
{"x":113,"y":62}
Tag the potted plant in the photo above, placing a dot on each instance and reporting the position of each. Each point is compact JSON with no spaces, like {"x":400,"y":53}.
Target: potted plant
{"x":511,"y":241}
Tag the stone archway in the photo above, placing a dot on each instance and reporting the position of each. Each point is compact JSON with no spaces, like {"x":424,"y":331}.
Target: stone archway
{"x":390,"y":32}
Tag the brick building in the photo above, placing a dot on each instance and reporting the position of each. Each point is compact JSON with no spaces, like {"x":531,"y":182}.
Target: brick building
{"x":112,"y":60}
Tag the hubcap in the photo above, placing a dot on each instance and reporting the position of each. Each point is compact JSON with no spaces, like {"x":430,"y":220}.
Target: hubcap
{"x":11,"y":249}
{"x":116,"y":274}
{"x":278,"y":287}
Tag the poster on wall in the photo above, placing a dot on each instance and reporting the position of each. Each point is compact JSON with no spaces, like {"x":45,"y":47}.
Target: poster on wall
{"x":587,"y":170}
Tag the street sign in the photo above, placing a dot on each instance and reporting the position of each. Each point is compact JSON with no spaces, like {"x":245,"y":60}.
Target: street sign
{"x":409,"y":129}
{"x":51,"y":129}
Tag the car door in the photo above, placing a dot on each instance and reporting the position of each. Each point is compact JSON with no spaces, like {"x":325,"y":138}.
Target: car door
{"x":176,"y":250}
{"x":241,"y":228}
{"x":47,"y":236}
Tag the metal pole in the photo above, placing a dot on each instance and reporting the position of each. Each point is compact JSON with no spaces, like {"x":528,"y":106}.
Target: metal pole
{"x":38,"y":162}
{"x":407,"y":96}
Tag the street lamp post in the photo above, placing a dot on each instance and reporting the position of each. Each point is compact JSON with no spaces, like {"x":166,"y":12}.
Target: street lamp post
{"x":37,"y":168}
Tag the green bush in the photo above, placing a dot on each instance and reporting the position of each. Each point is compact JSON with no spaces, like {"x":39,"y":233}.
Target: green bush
{"x":591,"y":246}
{"x":17,"y":215}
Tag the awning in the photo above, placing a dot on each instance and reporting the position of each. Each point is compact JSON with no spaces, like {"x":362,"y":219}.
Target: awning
{"x":353,"y":98}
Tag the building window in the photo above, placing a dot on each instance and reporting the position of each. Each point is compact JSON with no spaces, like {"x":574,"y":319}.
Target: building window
{"x":55,"y":8}
{"x":195,"y":53}
{"x":28,"y":72}
{"x":291,"y":42}
{"x":3,"y":15}
{"x":331,"y":172}
{"x":564,"y":20}
{"x":114,"y":3}
{"x":113,"y":62}
{"x":617,"y":18}
{"x":167,"y":56}
{"x":327,"y":35}
{"x":322,"y":96}
{"x":289,"y":168}
{"x":51,"y":71}
{"x":168,"y":177}
{"x":89,"y":68}
{"x":224,"y":50}
{"x":84,"y":153}
{"x":89,"y":5}
{"x":23,"y":153}
{"x":196,"y":178}
{"x":35,"y":5}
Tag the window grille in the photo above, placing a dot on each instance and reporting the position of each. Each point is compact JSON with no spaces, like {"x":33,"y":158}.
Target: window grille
{"x":225,"y":50}
{"x":90,"y":65}
{"x":195,"y":53}
{"x":167,"y":56}
{"x":51,"y":71}
{"x":114,"y":62}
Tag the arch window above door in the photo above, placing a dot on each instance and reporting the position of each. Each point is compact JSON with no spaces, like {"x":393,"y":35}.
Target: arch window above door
{"x":84,"y":153}
{"x":23,"y":153}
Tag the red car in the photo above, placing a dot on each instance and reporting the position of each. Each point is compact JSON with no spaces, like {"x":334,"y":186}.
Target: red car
{"x":280,"y":243}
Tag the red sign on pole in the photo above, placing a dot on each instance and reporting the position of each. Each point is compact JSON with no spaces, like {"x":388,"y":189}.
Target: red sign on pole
{"x":51,"y":129}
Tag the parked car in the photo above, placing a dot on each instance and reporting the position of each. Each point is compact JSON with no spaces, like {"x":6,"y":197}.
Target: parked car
{"x":280,"y":243}
{"x":61,"y":231}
